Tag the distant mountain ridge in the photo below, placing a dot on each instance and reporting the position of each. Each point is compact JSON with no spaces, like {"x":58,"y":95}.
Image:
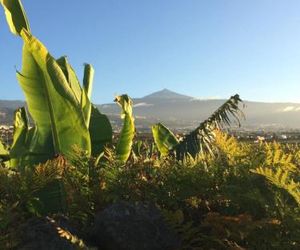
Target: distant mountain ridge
{"x":166,"y":94}
{"x":181,"y":111}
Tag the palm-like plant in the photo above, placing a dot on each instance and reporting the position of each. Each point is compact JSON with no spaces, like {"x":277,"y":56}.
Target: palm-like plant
{"x":201,"y":139}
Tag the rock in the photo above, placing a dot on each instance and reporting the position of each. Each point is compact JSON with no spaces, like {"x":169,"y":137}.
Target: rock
{"x":44,"y":233}
{"x":127,"y":226}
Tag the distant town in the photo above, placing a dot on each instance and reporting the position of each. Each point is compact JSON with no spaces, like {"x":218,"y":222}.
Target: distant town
{"x":182,"y":114}
{"x":246,"y":135}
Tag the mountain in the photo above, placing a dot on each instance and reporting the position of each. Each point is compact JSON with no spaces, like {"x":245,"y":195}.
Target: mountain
{"x":181,"y":111}
{"x":7,"y":109}
{"x":185,"y":112}
{"x":166,"y":94}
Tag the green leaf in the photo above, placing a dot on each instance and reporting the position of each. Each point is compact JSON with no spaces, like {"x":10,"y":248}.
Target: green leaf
{"x":32,"y":83}
{"x":100,"y":131}
{"x":76,"y":89}
{"x":70,"y":77}
{"x":18,"y":148}
{"x":88,"y":79}
{"x":87,"y":92}
{"x":124,"y":144}
{"x":3,"y":150}
{"x":51,"y":102}
{"x":15,"y":16}
{"x":4,"y":154}
{"x":164,"y":139}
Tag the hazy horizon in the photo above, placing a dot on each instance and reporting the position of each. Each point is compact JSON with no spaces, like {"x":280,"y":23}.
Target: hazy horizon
{"x":193,"y":97}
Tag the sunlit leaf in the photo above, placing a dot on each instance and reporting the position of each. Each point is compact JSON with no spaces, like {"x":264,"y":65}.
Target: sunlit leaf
{"x":164,"y":139}
{"x":100,"y":131}
{"x":51,"y":102}
{"x":124,"y":145}
{"x":15,"y":16}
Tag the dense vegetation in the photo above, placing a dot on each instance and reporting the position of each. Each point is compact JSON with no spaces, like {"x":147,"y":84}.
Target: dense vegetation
{"x":215,"y":192}
{"x":246,"y":196}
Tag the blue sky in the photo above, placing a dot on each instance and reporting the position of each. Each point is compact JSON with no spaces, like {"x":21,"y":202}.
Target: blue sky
{"x":202,"y":48}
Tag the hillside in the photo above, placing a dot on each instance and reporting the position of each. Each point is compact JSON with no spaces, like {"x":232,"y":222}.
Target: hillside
{"x":184,"y":112}
{"x":178,"y":110}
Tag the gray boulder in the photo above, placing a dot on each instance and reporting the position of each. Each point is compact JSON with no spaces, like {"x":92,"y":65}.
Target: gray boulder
{"x":127,"y":226}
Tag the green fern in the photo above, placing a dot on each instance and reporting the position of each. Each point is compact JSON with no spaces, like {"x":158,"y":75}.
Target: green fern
{"x":281,"y":178}
{"x":277,"y":157}
{"x":191,"y":235}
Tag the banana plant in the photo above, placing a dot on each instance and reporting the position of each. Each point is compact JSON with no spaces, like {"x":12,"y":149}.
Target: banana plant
{"x":124,"y":145}
{"x":59,"y":106}
{"x":201,"y":139}
{"x":4,"y":154}
{"x":164,"y":139}
{"x":19,"y":148}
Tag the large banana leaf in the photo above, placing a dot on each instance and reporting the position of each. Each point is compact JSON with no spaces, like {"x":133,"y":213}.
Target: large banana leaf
{"x":51,"y":102}
{"x":80,"y":94}
{"x":100,"y":131}
{"x":54,"y":108}
{"x":71,"y":77}
{"x":126,"y":136}
{"x":99,"y":126}
{"x":164,"y":139}
{"x":15,"y":16}
{"x":60,"y":107}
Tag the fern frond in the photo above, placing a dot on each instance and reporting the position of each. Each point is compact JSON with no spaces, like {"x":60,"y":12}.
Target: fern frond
{"x":281,"y":178}
{"x":201,"y":139}
{"x":231,"y":150}
{"x":190,"y":235}
{"x":276,"y":157}
{"x":45,"y":173}
{"x":44,"y":184}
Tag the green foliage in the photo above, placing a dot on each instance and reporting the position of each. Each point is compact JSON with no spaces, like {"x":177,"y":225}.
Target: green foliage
{"x":124,"y":144}
{"x":15,"y":16}
{"x":207,"y":193}
{"x":211,"y":202}
{"x":4,"y":154}
{"x":100,"y":130}
{"x":54,"y":111}
{"x":58,"y":105}
{"x":35,"y":191}
{"x":282,"y":179}
{"x":20,"y":137}
{"x":222,"y":204}
{"x":201,"y":139}
{"x":164,"y":138}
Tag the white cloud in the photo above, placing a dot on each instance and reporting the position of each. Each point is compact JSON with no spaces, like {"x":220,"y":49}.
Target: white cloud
{"x":205,"y":98}
{"x":142,"y":104}
{"x":290,"y":109}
